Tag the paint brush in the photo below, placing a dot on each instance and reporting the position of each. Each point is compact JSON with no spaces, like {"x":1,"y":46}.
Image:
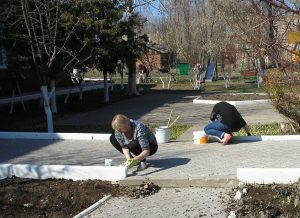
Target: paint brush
{"x":173,"y":122}
{"x":170,"y":117}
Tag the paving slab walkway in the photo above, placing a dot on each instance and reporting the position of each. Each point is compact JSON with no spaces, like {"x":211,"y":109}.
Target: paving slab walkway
{"x":178,"y":160}
{"x":210,"y":167}
{"x":184,"y":202}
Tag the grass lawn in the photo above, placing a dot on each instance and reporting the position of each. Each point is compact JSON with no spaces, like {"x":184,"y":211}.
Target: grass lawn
{"x":264,"y":129}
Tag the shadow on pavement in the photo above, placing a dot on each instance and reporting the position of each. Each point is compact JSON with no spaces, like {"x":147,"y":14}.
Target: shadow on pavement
{"x":135,"y":108}
{"x":166,"y":163}
{"x":11,"y":149}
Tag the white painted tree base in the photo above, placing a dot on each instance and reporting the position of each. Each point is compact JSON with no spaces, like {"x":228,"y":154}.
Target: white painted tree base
{"x":268,"y":175}
{"x":107,"y":173}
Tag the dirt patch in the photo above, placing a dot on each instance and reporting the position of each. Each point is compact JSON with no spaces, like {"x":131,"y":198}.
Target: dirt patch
{"x":267,"y":201}
{"x":233,"y":97}
{"x":59,"y":197}
{"x":66,"y":198}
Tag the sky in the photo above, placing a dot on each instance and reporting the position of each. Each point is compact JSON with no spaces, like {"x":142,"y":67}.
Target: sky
{"x":151,"y":9}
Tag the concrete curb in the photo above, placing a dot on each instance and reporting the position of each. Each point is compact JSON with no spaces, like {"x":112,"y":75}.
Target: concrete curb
{"x":105,"y":137}
{"x":234,"y":103}
{"x":259,"y":138}
{"x":266,"y":138}
{"x":92,"y":207}
{"x":208,"y":181}
{"x":54,"y":136}
{"x":113,"y":173}
{"x":268,"y":175}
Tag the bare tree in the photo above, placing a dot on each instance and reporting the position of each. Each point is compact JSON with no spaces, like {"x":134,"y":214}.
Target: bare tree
{"x":262,"y":27}
{"x":192,"y":29}
{"x":40,"y":25}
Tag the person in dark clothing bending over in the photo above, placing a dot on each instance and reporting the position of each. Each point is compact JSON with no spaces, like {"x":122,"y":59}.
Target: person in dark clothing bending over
{"x":225,"y":120}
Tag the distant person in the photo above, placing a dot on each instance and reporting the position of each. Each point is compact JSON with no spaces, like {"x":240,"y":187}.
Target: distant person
{"x":140,"y":78}
{"x":143,"y":73}
{"x":225,"y":120}
{"x":146,"y":72}
{"x":133,"y":137}
{"x":261,"y":67}
{"x":197,"y":75}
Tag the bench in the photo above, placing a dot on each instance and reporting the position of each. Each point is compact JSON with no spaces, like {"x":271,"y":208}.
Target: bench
{"x":248,"y":74}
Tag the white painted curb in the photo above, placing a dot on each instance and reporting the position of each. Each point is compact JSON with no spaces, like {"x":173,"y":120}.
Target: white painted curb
{"x":92,"y":207}
{"x":113,"y":173}
{"x":266,"y":138}
{"x":268,"y":175}
{"x":263,"y":138}
{"x":234,"y":103}
{"x":54,"y":136}
{"x":6,"y":171}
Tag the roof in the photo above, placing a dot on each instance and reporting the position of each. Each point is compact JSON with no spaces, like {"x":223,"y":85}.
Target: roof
{"x":157,"y":47}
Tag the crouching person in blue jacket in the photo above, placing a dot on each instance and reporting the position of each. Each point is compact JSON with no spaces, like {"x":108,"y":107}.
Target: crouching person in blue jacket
{"x":225,"y":120}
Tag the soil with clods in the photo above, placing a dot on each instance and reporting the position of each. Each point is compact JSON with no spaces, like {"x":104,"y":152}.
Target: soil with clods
{"x":66,"y":198}
{"x":59,"y":197}
{"x":233,"y":97}
{"x":265,"y":201}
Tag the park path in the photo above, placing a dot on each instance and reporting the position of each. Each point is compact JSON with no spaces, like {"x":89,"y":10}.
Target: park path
{"x":155,"y":109}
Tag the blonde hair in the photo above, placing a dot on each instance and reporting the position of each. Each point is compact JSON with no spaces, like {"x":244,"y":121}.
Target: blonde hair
{"x":120,"y":121}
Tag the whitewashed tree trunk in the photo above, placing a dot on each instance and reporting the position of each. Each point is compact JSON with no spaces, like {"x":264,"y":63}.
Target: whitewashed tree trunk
{"x":132,"y":85}
{"x":132,"y":90}
{"x":47,"y":108}
{"x":162,"y":81}
{"x":169,"y":83}
{"x":225,"y":80}
{"x":259,"y":81}
{"x":53,"y":97}
{"x":77,"y":81}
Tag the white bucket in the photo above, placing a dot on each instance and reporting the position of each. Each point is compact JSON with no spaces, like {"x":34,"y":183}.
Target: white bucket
{"x":199,"y":137}
{"x":162,"y":134}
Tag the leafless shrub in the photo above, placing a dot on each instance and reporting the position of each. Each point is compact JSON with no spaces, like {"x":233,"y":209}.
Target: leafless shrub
{"x":283,"y":89}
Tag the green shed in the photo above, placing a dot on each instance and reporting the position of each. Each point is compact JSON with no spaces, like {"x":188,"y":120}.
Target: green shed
{"x":184,"y":68}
